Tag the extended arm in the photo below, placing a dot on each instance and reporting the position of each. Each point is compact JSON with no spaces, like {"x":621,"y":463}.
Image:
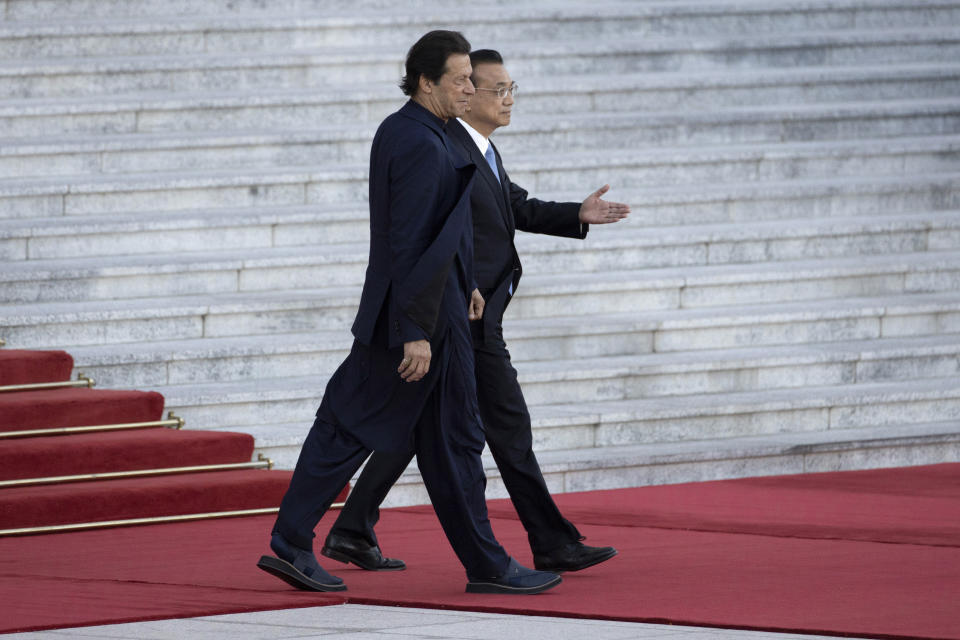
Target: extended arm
{"x":565,"y":219}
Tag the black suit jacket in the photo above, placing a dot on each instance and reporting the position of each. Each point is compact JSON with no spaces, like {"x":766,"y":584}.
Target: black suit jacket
{"x":418,"y":280}
{"x":498,"y":210}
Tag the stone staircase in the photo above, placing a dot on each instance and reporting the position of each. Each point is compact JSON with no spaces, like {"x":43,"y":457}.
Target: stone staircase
{"x":182,"y":206}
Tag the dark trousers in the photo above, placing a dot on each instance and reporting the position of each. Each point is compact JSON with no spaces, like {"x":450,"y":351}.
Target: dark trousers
{"x":447,"y":444}
{"x":506,"y":424}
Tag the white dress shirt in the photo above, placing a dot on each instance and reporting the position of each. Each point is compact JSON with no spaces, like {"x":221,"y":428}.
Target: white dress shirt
{"x":479,"y":138}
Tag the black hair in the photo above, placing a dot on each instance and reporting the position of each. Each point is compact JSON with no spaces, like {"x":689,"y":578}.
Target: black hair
{"x":428,"y":57}
{"x":485,"y":56}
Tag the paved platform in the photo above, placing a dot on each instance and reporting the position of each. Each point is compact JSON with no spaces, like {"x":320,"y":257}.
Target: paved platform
{"x":363,"y":622}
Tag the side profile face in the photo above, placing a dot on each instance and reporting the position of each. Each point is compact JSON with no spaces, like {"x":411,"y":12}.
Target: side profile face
{"x":488,"y":111}
{"x":450,"y":97}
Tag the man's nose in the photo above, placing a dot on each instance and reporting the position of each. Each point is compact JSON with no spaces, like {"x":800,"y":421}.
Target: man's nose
{"x":469,"y":88}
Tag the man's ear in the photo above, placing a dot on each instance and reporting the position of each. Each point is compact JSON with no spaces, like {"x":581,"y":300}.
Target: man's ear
{"x":425,"y":85}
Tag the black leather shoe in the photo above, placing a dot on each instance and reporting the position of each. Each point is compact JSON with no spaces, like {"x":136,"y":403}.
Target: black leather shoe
{"x":572,"y":557}
{"x":360,"y":553}
{"x":516,"y":580}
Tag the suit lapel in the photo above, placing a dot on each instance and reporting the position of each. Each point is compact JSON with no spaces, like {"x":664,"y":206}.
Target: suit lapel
{"x":498,"y":187}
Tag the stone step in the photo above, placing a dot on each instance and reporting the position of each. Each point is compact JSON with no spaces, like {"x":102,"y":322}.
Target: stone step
{"x":179,"y":191}
{"x":727,"y":285}
{"x":585,"y":379}
{"x":273,"y":314}
{"x":757,"y":92}
{"x":323,"y":67}
{"x":849,"y":12}
{"x":233,"y":405}
{"x":632,"y":245}
{"x":776,"y":203}
{"x":137,"y":153}
{"x":720,"y":163}
{"x":568,"y":271}
{"x":747,"y":202}
{"x":222,"y":32}
{"x":629,"y":377}
{"x":596,"y":468}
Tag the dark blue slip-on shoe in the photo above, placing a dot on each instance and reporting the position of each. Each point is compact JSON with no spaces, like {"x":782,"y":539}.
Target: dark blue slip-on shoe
{"x":517,"y":579}
{"x":298,"y":567}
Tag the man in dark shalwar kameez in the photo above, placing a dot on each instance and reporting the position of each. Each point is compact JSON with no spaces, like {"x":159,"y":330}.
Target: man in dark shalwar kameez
{"x":409,"y":378}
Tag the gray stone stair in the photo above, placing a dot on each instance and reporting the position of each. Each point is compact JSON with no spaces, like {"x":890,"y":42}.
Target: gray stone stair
{"x":874,"y":199}
{"x":581,"y":379}
{"x":591,"y":468}
{"x":40,"y":242}
{"x":625,"y":284}
{"x":182,"y":206}
{"x":660,"y":14}
{"x":184,"y":190}
{"x":621,"y":422}
{"x":215,"y":31}
{"x":757,"y":92}
{"x":322,"y":67}
{"x":349,"y":143}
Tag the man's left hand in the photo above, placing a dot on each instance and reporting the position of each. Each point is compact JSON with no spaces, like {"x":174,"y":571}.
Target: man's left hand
{"x":475,"y":312}
{"x":595,"y":210}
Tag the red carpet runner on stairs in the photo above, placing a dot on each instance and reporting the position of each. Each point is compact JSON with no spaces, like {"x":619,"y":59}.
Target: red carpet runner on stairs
{"x":864,"y":553}
{"x":185,"y":490}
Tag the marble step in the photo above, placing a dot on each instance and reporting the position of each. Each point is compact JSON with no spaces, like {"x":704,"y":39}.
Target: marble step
{"x":272,"y":314}
{"x":664,"y":167}
{"x":583,"y":379}
{"x":721,"y":163}
{"x":756,"y":92}
{"x":727,"y":285}
{"x":222,"y":32}
{"x":636,"y":377}
{"x":849,"y":12}
{"x":770,"y":205}
{"x":627,"y":245}
{"x":595,"y":468}
{"x":609,"y":273}
{"x":233,"y":405}
{"x":136,"y":153}
{"x":323,"y":67}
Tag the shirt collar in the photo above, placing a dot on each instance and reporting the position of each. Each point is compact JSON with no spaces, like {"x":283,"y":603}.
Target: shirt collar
{"x":481,"y":141}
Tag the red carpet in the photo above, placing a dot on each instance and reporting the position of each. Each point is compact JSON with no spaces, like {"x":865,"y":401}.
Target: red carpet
{"x":153,"y":449}
{"x":870,"y":553}
{"x":76,"y":408}
{"x":141,"y":497}
{"x":121,"y":451}
{"x":29,"y":367}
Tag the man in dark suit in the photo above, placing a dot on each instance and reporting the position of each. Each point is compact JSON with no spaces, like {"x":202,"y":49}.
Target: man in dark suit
{"x":499,"y":207}
{"x":417,"y":296}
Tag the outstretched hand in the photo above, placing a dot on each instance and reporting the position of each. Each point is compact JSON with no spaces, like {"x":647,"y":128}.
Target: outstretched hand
{"x":595,"y":210}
